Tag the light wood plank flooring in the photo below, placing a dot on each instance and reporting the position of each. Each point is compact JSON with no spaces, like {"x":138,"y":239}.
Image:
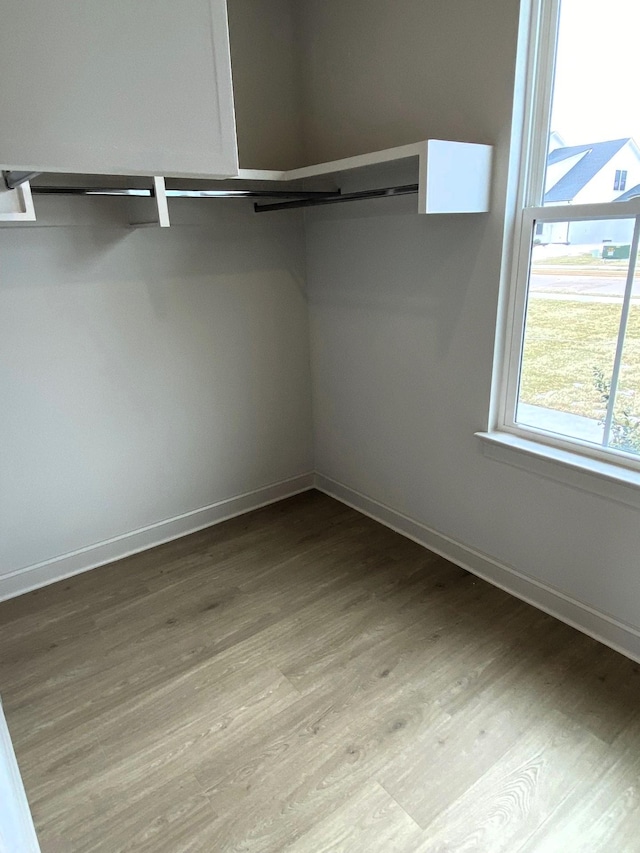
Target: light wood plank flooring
{"x":302,"y":679}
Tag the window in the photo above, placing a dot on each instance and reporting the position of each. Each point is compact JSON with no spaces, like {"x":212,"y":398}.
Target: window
{"x":620,"y":180}
{"x":572,"y":372}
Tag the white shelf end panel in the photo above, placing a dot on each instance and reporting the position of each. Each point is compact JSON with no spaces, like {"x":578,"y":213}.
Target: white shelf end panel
{"x":454,"y":177}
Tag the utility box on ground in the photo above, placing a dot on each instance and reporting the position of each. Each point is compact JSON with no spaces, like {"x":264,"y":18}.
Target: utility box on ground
{"x":616,"y":252}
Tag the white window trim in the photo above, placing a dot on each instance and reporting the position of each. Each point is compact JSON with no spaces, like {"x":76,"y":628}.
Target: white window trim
{"x":594,"y":476}
{"x":583,"y":465}
{"x":529,"y":215}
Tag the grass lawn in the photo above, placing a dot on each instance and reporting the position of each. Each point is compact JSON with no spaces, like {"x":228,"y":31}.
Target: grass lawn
{"x":564,"y":342}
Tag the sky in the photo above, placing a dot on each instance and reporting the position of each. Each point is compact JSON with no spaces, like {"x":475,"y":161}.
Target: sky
{"x":597,"y":86}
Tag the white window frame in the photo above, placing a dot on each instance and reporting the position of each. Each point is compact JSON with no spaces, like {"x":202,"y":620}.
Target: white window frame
{"x":543,"y":33}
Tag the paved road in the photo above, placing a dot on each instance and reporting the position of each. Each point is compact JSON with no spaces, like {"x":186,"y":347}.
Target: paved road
{"x":581,"y":283}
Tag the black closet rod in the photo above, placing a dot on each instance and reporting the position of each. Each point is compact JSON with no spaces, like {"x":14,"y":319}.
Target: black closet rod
{"x":336,"y":198}
{"x":149,"y":193}
{"x":295,"y":198}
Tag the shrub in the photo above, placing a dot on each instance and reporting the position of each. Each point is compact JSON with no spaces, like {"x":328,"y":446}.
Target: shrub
{"x":625,"y":427}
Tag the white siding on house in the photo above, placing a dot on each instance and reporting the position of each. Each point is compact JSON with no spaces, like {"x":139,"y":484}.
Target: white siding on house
{"x":600,"y":187}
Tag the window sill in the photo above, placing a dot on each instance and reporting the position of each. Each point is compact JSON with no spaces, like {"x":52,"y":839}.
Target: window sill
{"x":595,"y":476}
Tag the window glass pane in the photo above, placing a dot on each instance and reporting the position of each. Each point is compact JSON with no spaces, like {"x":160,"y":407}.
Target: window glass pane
{"x":595,"y":118}
{"x":575,"y":294}
{"x":625,"y":425}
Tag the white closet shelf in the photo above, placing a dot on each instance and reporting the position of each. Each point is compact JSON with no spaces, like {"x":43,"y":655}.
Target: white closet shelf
{"x":334,"y":167}
{"x":452,"y":177}
{"x":447,"y":177}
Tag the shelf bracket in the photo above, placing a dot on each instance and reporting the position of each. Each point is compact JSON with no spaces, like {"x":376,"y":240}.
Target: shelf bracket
{"x":17,"y":205}
{"x":13,"y":180}
{"x":159,"y":195}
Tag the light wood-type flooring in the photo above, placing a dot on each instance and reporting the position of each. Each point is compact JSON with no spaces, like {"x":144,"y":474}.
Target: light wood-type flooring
{"x":302,"y":679}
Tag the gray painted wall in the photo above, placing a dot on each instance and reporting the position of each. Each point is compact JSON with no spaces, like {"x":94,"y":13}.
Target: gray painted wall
{"x":379,"y":73}
{"x":266,"y":83}
{"x":145,"y":373}
{"x":403,"y":308}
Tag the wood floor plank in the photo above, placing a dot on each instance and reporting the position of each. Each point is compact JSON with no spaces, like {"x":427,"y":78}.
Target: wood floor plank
{"x":489,"y":708}
{"x":603,"y":810}
{"x":313,"y":768}
{"x":175,"y":819}
{"x":127,"y":741}
{"x":303,"y":777}
{"x":303,"y":679}
{"x":371,"y":820}
{"x":508,"y":803}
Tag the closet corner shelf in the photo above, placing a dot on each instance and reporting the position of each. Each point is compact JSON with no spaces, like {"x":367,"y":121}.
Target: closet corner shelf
{"x":451,"y":177}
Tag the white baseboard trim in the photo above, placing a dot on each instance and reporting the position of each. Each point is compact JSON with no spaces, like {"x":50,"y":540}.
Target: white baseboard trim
{"x":32,"y":577}
{"x":620,"y":636}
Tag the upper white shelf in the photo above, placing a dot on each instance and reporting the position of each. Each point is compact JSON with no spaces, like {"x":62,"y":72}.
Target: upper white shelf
{"x":452,"y":177}
{"x":448,"y":177}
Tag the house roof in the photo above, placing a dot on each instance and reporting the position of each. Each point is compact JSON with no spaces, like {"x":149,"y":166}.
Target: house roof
{"x":634,"y":192}
{"x":596,"y":155}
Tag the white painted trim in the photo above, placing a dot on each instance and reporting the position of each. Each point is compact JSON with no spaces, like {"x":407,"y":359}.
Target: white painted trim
{"x":543,"y":41}
{"x":537,"y":43}
{"x":38,"y":575}
{"x":512,"y":221}
{"x":537,"y":39}
{"x":21,"y":204}
{"x":564,"y":465}
{"x":620,"y":636}
{"x":161,"y":219}
{"x":160,"y":195}
{"x":580,"y":212}
{"x":17,"y":833}
{"x":227,"y":152}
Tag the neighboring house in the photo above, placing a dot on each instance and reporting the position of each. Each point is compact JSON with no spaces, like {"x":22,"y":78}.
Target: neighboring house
{"x":582,"y":174}
{"x":634,"y":192}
